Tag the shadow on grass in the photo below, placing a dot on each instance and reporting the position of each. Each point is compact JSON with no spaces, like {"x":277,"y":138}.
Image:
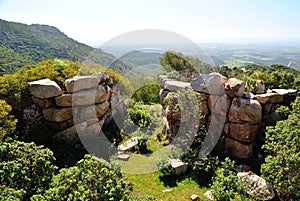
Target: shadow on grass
{"x":171,"y":180}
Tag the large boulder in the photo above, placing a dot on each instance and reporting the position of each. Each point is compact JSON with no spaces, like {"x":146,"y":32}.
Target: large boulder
{"x":218,"y":104}
{"x":57,"y":114}
{"x":243,"y":132}
{"x":238,"y":149}
{"x":78,"y":83}
{"x":43,"y":102}
{"x":45,"y":88}
{"x":256,"y":186}
{"x":84,"y":97}
{"x":245,"y":111}
{"x":212,"y":83}
{"x":69,"y":135}
{"x":234,"y":88}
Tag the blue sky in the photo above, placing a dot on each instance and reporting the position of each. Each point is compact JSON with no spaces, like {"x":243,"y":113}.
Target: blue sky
{"x":91,"y":21}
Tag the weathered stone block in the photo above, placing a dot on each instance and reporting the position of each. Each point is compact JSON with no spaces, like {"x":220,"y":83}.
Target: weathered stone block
{"x":57,"y":114}
{"x":243,"y":132}
{"x":179,"y":166}
{"x":269,"y":98}
{"x":45,"y":88}
{"x":256,"y":186}
{"x":84,"y":97}
{"x":78,"y":83}
{"x":43,"y":102}
{"x":234,"y":88}
{"x":212,"y":83}
{"x":173,"y":85}
{"x":89,"y":112}
{"x":245,"y":111}
{"x":217,"y":104}
{"x":238,"y":149}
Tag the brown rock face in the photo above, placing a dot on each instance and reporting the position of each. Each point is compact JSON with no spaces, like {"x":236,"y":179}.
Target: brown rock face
{"x":238,"y":149}
{"x":45,"y":88}
{"x":245,"y":110}
{"x":234,"y":88}
{"x":57,"y":114}
{"x":70,"y":134}
{"x":78,"y":83}
{"x":43,"y":102}
{"x":86,"y":97}
{"x":243,"y":132}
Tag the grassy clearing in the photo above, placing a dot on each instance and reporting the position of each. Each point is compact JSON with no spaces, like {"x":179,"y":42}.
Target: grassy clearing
{"x":151,"y":185}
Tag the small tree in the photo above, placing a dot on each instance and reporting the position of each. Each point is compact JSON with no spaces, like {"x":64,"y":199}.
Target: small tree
{"x":282,"y":165}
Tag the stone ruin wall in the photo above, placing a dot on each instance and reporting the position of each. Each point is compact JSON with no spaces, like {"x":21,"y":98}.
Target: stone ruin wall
{"x":246,"y":115}
{"x":85,"y":102}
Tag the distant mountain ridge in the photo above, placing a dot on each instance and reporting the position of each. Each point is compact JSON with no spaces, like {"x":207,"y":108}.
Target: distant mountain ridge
{"x":23,"y":44}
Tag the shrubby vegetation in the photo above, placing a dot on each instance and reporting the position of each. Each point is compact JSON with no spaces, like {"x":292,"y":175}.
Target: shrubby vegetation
{"x":282,"y":164}
{"x":25,"y":169}
{"x":90,"y":179}
{"x":7,"y":122}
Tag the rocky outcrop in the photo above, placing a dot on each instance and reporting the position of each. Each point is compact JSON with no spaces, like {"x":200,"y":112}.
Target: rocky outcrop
{"x":83,"y":108}
{"x":234,"y":88}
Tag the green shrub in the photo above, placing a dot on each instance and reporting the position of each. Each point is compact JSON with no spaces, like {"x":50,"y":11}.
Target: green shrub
{"x":225,"y":183}
{"x":139,"y":115}
{"x":90,"y":179}
{"x":25,"y":166}
{"x":10,"y":194}
{"x":148,"y":94}
{"x":7,"y":122}
{"x":282,"y":144}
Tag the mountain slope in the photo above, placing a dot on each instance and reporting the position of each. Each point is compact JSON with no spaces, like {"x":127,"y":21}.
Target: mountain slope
{"x":23,"y":44}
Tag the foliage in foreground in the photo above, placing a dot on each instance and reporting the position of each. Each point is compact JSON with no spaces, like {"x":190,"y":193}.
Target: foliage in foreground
{"x":90,"y":179}
{"x":25,"y":169}
{"x":7,"y":122}
{"x":282,"y":165}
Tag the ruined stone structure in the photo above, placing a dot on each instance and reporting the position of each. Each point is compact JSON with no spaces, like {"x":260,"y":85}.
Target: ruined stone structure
{"x":245,"y":115}
{"x":84,"y":104}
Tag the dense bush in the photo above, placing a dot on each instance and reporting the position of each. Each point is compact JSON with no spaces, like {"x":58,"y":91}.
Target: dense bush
{"x":7,"y":122}
{"x":282,"y":165}
{"x":225,"y":183}
{"x":139,"y":114}
{"x":90,"y":179}
{"x":148,"y":94}
{"x":25,"y":169}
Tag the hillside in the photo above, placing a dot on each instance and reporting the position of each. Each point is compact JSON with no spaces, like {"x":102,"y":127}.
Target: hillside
{"x":23,"y":44}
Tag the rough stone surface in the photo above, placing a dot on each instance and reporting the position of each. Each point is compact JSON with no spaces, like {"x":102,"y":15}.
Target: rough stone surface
{"x":101,"y":76}
{"x":212,"y":83}
{"x":243,"y":132}
{"x":179,"y":166}
{"x":256,"y":186}
{"x":234,"y":88}
{"x":58,"y":126}
{"x":217,"y":104}
{"x":173,"y":85}
{"x":245,"y":111}
{"x":57,"y":114}
{"x":238,"y":149}
{"x":45,"y":88}
{"x":81,"y":82}
{"x":270,"y":98}
{"x":89,"y":112}
{"x":43,"y":102}
{"x":162,"y":94}
{"x":85,"y":97}
{"x":69,"y":135}
{"x":123,"y":157}
{"x":261,"y":89}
